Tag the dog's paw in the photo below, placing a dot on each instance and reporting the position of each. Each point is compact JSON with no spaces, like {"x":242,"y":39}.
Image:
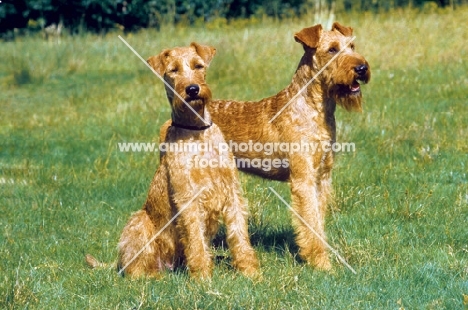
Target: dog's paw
{"x":92,"y":262}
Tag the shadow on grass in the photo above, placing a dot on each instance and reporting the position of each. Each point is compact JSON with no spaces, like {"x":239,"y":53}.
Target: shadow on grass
{"x":279,"y":241}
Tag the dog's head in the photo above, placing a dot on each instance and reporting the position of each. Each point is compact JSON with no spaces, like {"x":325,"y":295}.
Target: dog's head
{"x":184,"y":70}
{"x":339,"y":67}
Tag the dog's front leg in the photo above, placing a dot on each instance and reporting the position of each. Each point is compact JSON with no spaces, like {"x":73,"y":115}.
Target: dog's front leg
{"x":235,"y":215}
{"x":191,"y":228}
{"x":306,"y":201}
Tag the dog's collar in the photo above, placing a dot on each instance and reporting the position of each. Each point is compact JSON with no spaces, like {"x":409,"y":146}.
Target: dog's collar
{"x":191,"y":127}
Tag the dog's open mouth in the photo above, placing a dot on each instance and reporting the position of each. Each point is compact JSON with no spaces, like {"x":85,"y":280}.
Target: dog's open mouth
{"x":355,"y":87}
{"x":346,"y":90}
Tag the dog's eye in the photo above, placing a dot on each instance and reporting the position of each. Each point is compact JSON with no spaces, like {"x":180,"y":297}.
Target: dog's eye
{"x":352,"y":46}
{"x":173,"y":70}
{"x":199,"y":66}
{"x":332,"y":50}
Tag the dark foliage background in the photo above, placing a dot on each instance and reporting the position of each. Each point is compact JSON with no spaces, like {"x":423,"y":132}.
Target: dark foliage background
{"x":130,"y":15}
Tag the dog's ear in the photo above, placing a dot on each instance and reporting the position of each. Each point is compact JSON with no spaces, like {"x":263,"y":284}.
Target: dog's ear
{"x":157,"y":62}
{"x":346,"y":31}
{"x":204,"y":51}
{"x":309,"y":36}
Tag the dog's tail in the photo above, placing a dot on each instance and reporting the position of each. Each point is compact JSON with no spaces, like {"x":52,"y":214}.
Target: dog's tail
{"x":93,"y":263}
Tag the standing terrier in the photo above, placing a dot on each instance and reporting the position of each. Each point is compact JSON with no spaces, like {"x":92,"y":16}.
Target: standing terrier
{"x":309,"y":117}
{"x":182,"y":176}
{"x":303,"y":112}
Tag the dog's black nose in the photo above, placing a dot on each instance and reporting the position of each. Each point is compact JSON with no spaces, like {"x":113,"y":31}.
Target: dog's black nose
{"x":192,"y":90}
{"x":361,"y":70}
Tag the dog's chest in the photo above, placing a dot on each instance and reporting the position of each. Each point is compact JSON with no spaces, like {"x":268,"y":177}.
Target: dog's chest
{"x":307,"y":121}
{"x":203,"y":159}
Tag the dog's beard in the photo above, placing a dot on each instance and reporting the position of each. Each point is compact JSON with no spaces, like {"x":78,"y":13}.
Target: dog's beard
{"x":180,"y":107}
{"x":348,"y":96}
{"x":196,"y":103}
{"x":347,"y":92}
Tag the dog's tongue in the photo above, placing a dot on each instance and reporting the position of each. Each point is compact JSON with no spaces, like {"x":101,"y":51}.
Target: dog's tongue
{"x":354,"y":87}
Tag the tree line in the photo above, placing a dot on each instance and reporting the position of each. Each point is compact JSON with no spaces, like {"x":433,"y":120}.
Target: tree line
{"x":130,"y":15}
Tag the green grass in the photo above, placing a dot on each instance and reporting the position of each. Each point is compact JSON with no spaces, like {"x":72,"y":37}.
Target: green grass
{"x":401,"y":200}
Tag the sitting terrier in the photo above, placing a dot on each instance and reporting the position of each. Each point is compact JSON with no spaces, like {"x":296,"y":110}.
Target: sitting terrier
{"x":187,"y":197}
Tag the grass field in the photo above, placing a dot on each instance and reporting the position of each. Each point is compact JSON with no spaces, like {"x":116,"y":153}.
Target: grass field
{"x":401,"y":199}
